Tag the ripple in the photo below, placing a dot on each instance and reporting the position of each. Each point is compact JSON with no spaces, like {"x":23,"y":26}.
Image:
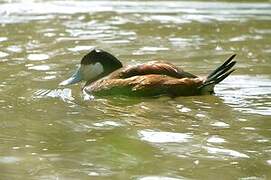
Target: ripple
{"x":149,"y":50}
{"x":3,"y":39}
{"x":81,"y":48}
{"x":72,"y":7}
{"x":64,"y":94}
{"x":157,"y":178}
{"x":9,"y":159}
{"x":178,"y":41}
{"x":15,"y":49}
{"x":49,"y":77}
{"x":245,"y":38}
{"x":250,"y":94}
{"x":215,"y":139}
{"x":93,"y":174}
{"x":163,"y":137}
{"x":168,"y":19}
{"x":37,"y":57}
{"x":225,"y":152}
{"x":220,"y":124}
{"x":3,"y":54}
{"x":263,"y":31}
{"x":107,"y":123}
{"x":184,"y":109}
{"x":117,"y":41}
{"x":40,"y":67}
{"x":249,"y":128}
{"x":95,"y":132}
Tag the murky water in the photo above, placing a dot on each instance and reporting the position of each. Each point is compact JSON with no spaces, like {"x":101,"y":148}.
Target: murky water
{"x":50,"y":132}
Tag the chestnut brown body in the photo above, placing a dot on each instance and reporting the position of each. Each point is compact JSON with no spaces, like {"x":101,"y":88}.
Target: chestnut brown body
{"x":151,"y":79}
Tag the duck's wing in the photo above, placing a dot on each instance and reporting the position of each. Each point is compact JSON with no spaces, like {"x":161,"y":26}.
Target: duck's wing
{"x":146,"y":85}
{"x":153,"y":67}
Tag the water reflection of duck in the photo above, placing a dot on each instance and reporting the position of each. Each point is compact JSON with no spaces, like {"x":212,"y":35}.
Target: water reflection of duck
{"x":105,"y":75}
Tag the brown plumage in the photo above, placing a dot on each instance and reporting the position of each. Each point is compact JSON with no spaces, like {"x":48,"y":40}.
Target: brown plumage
{"x":106,"y":76}
{"x":151,"y":79}
{"x":152,"y":67}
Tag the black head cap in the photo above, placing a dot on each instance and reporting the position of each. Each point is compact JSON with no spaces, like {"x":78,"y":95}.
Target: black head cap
{"x":103,"y":57}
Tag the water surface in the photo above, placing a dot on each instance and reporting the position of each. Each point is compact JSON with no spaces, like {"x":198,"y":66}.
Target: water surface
{"x":51,"y":132}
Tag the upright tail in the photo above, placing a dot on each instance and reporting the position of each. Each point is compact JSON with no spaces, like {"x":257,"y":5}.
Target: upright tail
{"x":218,"y":75}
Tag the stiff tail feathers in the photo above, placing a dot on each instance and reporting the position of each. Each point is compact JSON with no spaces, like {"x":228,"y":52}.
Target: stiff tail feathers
{"x":219,"y":74}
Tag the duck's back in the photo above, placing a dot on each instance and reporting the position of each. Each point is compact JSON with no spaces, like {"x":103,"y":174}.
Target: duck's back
{"x":152,"y":67}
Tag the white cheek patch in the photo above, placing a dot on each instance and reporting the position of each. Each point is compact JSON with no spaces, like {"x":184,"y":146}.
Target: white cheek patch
{"x":91,"y":71}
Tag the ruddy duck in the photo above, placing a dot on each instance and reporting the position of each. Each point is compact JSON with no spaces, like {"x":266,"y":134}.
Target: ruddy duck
{"x":105,"y":75}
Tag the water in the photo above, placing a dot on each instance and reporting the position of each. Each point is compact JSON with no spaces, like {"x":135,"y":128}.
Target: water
{"x":51,"y":132}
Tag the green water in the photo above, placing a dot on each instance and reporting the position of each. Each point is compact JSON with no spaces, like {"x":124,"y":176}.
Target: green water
{"x":51,"y":132}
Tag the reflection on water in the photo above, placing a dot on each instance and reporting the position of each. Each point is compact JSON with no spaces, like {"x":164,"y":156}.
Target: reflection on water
{"x":51,"y":132}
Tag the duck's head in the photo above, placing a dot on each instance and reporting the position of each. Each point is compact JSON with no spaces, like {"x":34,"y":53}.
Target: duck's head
{"x":95,"y":65}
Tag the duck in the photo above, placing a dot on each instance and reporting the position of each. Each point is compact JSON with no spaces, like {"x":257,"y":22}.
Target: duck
{"x":104,"y":74}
